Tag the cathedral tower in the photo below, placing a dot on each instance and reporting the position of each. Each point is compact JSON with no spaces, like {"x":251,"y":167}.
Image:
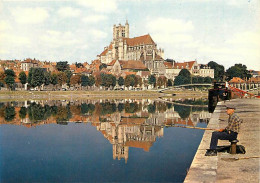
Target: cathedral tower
{"x":121,"y":31}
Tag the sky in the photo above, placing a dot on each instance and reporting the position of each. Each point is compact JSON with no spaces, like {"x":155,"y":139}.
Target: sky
{"x":224,"y":31}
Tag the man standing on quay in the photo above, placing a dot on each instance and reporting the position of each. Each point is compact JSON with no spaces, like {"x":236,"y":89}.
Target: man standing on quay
{"x":229,"y":133}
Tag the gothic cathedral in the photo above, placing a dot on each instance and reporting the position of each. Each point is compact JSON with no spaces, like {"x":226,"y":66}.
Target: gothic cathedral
{"x":141,"y":48}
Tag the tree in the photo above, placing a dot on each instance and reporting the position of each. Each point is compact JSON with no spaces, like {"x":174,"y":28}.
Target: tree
{"x":9,"y":72}
{"x":78,"y":65}
{"x":84,"y":80}
{"x":219,"y":70}
{"x":151,"y":108}
{"x":22,"y":77}
{"x":54,"y":79}
{"x":183,"y":111}
{"x":207,"y":79}
{"x":139,"y":80}
{"x":108,"y":80}
{"x":130,"y":80}
{"x":29,"y":79}
{"x":161,"y":81}
{"x":47,"y":78}
{"x":62,"y":66}
{"x":185,"y":73}
{"x":2,"y":76}
{"x":121,"y":107}
{"x":62,"y":78}
{"x":98,"y":80}
{"x":9,"y":78}
{"x":113,"y":78}
{"x":36,"y":76}
{"x":86,"y":108}
{"x":238,"y":70}
{"x":200,"y":79}
{"x":107,"y":108}
{"x":152,"y":80}
{"x":1,"y":84}
{"x":69,"y":75}
{"x":91,"y":80}
{"x":179,"y":80}
{"x":75,"y":79}
{"x":63,"y":113}
{"x":22,"y":112}
{"x":169,"y":82}
{"x":102,"y":66}
{"x":136,"y":81}
{"x":195,"y":80}
{"x":121,"y":81}
{"x":131,"y":107}
{"x":9,"y":113}
{"x":184,"y":77}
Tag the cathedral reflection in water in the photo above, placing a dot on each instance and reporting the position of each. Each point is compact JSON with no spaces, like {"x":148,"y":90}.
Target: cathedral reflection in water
{"x":124,"y":123}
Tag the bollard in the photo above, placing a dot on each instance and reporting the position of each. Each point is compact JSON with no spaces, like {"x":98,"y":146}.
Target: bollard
{"x":233,"y":146}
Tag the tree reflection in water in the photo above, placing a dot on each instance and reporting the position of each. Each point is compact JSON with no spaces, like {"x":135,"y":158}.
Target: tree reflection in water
{"x":35,"y":112}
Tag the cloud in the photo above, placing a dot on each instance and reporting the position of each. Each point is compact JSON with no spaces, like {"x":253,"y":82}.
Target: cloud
{"x":56,"y":39}
{"x":13,"y":43}
{"x":69,"y":12}
{"x":170,"y":31}
{"x":29,"y":15}
{"x":165,"y":25}
{"x":94,"y":18}
{"x":242,"y":47}
{"x":4,"y":25}
{"x":172,"y":38}
{"x":103,"y":6}
{"x":238,"y":2}
{"x":15,"y":40}
{"x":97,"y":34}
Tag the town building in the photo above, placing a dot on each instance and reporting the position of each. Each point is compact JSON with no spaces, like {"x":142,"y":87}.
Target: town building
{"x":206,"y":71}
{"x":172,"y":69}
{"x":29,"y":63}
{"x":252,"y":84}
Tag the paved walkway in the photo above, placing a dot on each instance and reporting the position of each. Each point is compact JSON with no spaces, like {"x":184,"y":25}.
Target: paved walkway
{"x":217,"y":168}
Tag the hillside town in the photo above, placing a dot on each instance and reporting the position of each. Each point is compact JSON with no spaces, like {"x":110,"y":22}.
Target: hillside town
{"x":125,"y":64}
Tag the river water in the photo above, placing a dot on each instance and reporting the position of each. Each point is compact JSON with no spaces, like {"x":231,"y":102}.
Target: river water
{"x":98,"y":140}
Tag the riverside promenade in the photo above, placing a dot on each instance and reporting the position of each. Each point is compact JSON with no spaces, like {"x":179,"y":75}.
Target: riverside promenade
{"x":226,"y":167}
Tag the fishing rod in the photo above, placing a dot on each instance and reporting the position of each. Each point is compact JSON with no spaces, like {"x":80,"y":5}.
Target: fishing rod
{"x":192,"y":127}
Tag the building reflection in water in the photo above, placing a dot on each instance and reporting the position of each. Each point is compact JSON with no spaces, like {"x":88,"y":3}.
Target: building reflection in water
{"x":124,"y":123}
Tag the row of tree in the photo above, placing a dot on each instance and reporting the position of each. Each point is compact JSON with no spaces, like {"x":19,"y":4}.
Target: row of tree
{"x":238,"y":70}
{"x":39,"y":76}
{"x":37,"y":112}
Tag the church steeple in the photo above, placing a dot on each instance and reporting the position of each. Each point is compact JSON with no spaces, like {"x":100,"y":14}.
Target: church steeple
{"x":126,"y":29}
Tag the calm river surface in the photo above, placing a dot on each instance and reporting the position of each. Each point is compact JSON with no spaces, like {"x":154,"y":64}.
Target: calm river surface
{"x":98,"y":140}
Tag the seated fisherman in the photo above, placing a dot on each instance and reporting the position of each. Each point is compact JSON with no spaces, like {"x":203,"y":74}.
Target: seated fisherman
{"x":229,"y":133}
